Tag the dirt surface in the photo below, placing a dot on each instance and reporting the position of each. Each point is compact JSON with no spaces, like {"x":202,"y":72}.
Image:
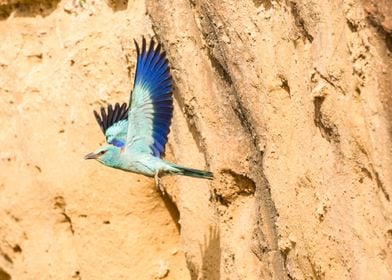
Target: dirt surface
{"x":63,"y":217}
{"x":287,"y":102}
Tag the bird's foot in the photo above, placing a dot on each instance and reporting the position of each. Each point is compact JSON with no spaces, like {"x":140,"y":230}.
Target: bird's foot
{"x":158,"y":183}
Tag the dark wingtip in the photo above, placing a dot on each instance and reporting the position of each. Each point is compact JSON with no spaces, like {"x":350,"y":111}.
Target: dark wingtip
{"x":111,"y":116}
{"x":158,"y":49}
{"x":152,"y":44}
{"x":137,"y":47}
{"x":123,"y":111}
{"x":99,"y":121}
{"x":104,"y":118}
{"x":116,"y":111}
{"x":144,"y":44}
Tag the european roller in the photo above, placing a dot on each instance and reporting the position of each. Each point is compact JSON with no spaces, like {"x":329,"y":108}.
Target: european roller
{"x":137,"y":134}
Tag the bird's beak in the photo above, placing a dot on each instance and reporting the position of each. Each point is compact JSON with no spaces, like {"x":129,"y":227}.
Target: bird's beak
{"x":90,"y":156}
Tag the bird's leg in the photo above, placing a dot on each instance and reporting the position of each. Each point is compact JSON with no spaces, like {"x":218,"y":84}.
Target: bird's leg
{"x":157,"y":182}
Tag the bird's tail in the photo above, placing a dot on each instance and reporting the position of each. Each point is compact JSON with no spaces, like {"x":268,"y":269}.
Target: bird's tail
{"x":181,"y":170}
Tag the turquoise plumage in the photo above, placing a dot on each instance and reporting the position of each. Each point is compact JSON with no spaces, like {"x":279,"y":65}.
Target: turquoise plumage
{"x":137,"y":134}
{"x":114,"y":124}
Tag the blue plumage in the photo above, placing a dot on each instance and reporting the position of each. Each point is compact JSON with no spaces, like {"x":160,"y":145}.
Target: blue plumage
{"x":138,"y":134}
{"x":117,"y":143}
{"x":114,"y":123}
{"x":154,"y":85}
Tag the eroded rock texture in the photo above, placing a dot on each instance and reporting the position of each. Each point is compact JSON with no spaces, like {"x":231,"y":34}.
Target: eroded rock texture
{"x":287,"y":102}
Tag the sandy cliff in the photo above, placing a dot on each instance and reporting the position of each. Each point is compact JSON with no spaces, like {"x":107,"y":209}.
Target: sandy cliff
{"x":287,"y":102}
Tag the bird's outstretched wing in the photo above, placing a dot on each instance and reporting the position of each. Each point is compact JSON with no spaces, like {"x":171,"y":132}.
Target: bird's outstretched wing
{"x":114,"y":123}
{"x":151,"y":109}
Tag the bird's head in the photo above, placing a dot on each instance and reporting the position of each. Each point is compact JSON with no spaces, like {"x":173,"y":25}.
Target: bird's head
{"x":107,"y":155}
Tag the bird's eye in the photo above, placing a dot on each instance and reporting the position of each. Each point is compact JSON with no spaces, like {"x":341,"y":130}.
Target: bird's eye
{"x":102,"y":152}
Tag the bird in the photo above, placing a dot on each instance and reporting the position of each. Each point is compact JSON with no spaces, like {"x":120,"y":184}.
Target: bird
{"x":137,"y":133}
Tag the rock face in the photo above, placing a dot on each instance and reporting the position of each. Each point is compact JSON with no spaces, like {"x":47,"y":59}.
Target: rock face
{"x":287,"y":102}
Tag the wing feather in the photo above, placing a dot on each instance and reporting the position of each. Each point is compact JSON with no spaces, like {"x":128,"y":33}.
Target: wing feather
{"x":151,"y":108}
{"x":114,"y":123}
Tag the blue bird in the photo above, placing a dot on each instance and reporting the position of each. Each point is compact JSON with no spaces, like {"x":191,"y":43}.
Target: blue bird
{"x":137,"y":134}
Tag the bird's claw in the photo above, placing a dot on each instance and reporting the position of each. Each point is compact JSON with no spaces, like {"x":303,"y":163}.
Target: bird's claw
{"x":158,"y":183}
